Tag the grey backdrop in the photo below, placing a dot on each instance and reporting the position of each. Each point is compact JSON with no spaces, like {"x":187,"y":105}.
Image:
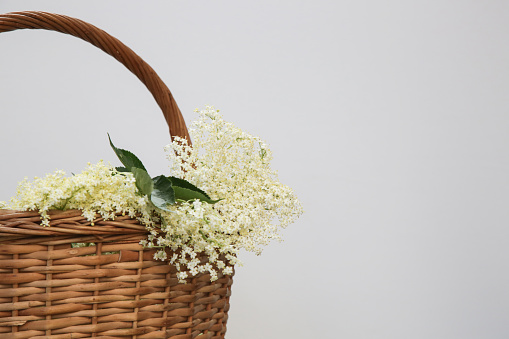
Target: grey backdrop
{"x":388,"y":118}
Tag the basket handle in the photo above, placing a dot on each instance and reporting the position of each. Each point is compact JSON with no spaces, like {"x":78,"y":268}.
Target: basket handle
{"x":112,"y":46}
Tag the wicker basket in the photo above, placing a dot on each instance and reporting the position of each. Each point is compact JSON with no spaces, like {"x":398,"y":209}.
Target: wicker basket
{"x":115,"y":289}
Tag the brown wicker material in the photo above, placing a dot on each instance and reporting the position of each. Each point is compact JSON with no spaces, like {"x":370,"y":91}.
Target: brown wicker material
{"x":114,"y":289}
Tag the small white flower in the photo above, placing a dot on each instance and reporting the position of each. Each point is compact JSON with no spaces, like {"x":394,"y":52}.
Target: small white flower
{"x":160,"y":255}
{"x":181,"y":276}
{"x":228,"y":270}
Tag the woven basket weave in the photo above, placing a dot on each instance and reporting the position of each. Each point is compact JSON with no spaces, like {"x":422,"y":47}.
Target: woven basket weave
{"x":115,"y":289}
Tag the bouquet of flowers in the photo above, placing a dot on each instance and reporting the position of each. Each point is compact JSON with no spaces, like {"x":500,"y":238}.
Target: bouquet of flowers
{"x":220,"y":196}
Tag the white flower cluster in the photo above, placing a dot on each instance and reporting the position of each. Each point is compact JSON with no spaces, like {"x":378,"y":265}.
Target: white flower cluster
{"x":225,"y":162}
{"x":98,"y":189}
{"x":231,"y":165}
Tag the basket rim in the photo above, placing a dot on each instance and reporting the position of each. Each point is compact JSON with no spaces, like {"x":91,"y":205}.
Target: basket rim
{"x":16,"y":224}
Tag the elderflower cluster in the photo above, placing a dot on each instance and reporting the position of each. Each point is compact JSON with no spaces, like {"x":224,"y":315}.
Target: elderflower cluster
{"x":95,"y":190}
{"x":231,"y":165}
{"x":225,"y":162}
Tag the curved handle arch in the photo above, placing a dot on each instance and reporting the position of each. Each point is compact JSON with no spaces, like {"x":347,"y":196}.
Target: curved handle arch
{"x":112,"y":46}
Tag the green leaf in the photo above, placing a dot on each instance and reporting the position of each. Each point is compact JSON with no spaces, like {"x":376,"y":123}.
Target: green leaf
{"x":187,"y":194}
{"x":127,"y":158}
{"x":186,"y":184}
{"x":163,"y":193}
{"x":143,"y":181}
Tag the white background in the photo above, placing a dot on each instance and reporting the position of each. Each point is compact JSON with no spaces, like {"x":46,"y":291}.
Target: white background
{"x":388,"y":118}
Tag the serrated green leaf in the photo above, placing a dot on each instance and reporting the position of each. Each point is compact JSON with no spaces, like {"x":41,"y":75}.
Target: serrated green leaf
{"x":143,"y":181}
{"x":127,"y":158}
{"x":187,"y":194}
{"x":163,"y":194}
{"x":121,"y":169}
{"x":186,"y":184}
